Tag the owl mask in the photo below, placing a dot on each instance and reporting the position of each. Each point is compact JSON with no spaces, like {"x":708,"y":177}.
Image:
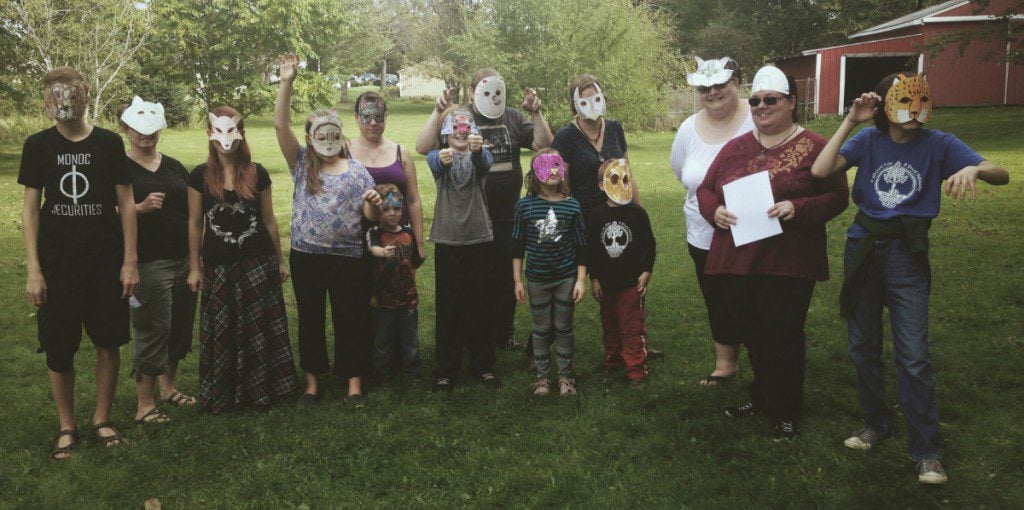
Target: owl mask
{"x":489,"y":97}
{"x":618,"y":182}
{"x":590,"y":108}
{"x":66,"y":101}
{"x":325,"y":134}
{"x":224,"y":130}
{"x":909,"y":98}
{"x":144,"y":117}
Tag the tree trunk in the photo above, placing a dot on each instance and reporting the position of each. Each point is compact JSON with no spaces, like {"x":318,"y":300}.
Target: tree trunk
{"x":383,"y":75}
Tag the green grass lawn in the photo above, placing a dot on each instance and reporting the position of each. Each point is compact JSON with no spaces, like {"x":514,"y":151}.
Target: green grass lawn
{"x":666,"y":445}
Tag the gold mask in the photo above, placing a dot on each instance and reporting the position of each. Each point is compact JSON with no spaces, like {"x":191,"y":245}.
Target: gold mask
{"x":618,"y":182}
{"x":909,"y":98}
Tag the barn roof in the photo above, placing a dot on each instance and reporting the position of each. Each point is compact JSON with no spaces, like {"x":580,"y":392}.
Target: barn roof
{"x":912,"y":19}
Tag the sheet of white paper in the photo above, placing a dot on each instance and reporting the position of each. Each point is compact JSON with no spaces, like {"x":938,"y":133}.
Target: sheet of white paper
{"x":749,"y":198}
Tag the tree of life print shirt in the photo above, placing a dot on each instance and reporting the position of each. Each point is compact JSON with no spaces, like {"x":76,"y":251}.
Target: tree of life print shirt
{"x":330,"y":222}
{"x":78,"y":181}
{"x":234,"y":227}
{"x":897,"y":179}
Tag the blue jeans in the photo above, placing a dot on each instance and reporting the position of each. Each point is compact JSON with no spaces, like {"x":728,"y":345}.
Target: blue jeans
{"x":401,"y":327}
{"x":551,"y":306}
{"x":898,"y":279}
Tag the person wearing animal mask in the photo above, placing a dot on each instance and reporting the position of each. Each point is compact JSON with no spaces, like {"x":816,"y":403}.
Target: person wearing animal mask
{"x":462,"y":237}
{"x":333,"y":194}
{"x":723,"y":116}
{"x":164,"y":308}
{"x":80,"y":250}
{"x":586,"y":142}
{"x":507,"y":131}
{"x":621,"y":259}
{"x":764,"y":288}
{"x":387,"y":161}
{"x":897,"y":188}
{"x":245,"y":357}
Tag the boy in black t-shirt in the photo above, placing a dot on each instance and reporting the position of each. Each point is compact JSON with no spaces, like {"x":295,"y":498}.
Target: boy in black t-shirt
{"x":80,"y":252}
{"x":621,"y":258}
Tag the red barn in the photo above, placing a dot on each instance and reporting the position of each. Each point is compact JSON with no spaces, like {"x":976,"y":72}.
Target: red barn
{"x":841,"y":73}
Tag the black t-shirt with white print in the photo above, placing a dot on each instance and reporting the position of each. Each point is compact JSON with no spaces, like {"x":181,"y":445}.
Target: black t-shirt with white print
{"x":234,"y":227}
{"x":78,"y":179}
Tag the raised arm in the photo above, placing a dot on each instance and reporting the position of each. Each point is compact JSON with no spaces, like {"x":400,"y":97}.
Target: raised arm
{"x":283,"y":111}
{"x":830,"y":161}
{"x":541,"y":131}
{"x":426,"y":139}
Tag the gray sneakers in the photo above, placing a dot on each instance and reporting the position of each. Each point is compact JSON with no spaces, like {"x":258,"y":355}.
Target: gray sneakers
{"x":865,"y":438}
{"x":929,"y":471}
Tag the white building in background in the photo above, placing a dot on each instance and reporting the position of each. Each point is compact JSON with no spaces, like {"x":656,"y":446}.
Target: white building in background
{"x":415,"y":81}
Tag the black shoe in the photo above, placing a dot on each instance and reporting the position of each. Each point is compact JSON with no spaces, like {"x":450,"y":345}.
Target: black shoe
{"x":356,"y":400}
{"x":308,"y":400}
{"x":490,"y":380}
{"x":743,"y":411}
{"x":785,"y":431}
{"x":443,"y":384}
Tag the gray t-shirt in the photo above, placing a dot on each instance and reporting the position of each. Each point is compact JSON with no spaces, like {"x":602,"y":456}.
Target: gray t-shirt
{"x":460,"y":212}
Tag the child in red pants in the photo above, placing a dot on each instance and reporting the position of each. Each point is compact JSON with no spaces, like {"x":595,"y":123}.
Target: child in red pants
{"x":621,"y":246}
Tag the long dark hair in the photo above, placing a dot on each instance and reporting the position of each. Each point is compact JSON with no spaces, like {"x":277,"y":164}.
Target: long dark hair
{"x":243,"y":169}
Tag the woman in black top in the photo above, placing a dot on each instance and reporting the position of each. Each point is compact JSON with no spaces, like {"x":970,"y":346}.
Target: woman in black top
{"x":589,"y":140}
{"x":163,"y":307}
{"x":245,"y":357}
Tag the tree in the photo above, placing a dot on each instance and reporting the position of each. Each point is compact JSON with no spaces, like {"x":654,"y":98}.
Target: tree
{"x":100,"y":39}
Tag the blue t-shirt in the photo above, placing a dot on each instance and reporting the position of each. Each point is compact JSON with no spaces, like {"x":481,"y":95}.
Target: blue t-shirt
{"x":902,"y":179}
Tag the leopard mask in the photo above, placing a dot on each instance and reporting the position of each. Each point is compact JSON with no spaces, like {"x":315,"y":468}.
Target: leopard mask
{"x":909,"y":98}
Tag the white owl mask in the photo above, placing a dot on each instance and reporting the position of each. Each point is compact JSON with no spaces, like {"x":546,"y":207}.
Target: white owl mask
{"x":590,"y":108}
{"x":144,"y":117}
{"x":224,"y":130}
{"x":489,"y":97}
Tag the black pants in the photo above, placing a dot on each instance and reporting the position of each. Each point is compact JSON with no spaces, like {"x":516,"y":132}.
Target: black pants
{"x":767,"y":314}
{"x":461,"y":318}
{"x":501,"y":286}
{"x":346,"y":281}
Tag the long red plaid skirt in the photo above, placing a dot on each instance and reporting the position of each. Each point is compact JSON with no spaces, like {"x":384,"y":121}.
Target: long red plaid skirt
{"x":245,"y":357}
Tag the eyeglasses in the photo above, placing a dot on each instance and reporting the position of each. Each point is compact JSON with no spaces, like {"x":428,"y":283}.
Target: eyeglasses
{"x":768,"y":100}
{"x":717,"y":86}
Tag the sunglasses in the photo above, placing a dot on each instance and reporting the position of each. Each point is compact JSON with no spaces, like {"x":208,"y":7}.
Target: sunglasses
{"x":768,"y":100}
{"x":717,"y":86}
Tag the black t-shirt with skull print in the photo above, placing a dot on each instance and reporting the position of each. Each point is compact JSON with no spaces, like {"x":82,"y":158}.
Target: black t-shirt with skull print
{"x":621,"y":245}
{"x":234,"y":227}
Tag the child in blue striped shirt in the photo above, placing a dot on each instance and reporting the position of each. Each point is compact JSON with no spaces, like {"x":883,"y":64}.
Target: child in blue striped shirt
{"x":550,"y":234}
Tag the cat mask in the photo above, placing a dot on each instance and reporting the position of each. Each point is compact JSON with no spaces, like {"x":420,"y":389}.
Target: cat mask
{"x":618,"y":182}
{"x":144,"y":117}
{"x":372,"y":109}
{"x":590,"y":108}
{"x":489,"y":97}
{"x":224,"y":130}
{"x":909,"y":98}
{"x":709,"y":73}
